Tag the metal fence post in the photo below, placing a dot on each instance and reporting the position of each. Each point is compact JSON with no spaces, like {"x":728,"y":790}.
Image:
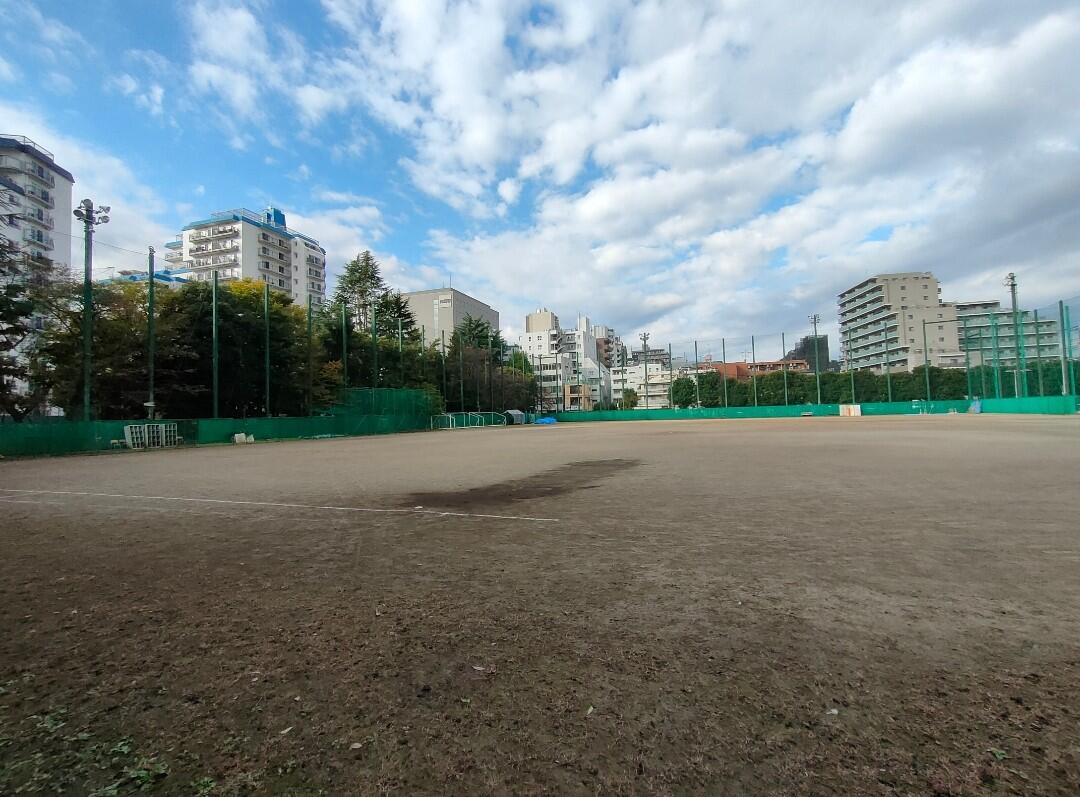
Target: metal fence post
{"x":926,"y":362}
{"x":310,"y":358}
{"x":723,"y":373}
{"x":997,"y":355}
{"x":888,"y":365}
{"x":344,"y":344}
{"x":1062,"y":332}
{"x":967,"y":356}
{"x":697,"y":386}
{"x":266,"y":345}
{"x":150,"y":341}
{"x":783,"y":365}
{"x":851,"y":365}
{"x":214,"y":334}
{"x":1069,"y":350}
{"x":1038,"y":354}
{"x":753,"y":373}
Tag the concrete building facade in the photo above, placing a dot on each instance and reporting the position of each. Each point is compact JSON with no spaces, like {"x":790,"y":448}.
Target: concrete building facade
{"x":881,"y":323}
{"x":439,"y":311}
{"x":572,"y":363}
{"x":986,"y":327}
{"x":43,"y":222}
{"x":242,"y":244}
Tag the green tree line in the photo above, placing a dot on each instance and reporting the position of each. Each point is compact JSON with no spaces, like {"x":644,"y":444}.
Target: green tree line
{"x":365,"y":336}
{"x":946,"y":384}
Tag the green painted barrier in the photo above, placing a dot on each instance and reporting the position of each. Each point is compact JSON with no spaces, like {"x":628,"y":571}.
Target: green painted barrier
{"x":791,"y":411}
{"x":918,"y":407}
{"x":1036,"y":405}
{"x":358,"y":412}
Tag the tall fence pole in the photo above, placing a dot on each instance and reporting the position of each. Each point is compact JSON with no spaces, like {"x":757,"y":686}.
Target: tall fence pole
{"x":723,"y":373}
{"x":926,"y":361}
{"x":151,"y":343}
{"x":753,"y":374}
{"x":374,"y":349}
{"x":996,"y":355}
{"x":345,"y":344}
{"x":1063,"y":332}
{"x":88,"y":304}
{"x":967,"y":356}
{"x":214,"y":334}
{"x":266,"y":346}
{"x":982,"y":365}
{"x":461,"y":368}
{"x":1038,"y":355}
{"x":783,"y":365}
{"x":850,"y":365}
{"x":446,"y":398}
{"x":888,"y":365}
{"x":697,"y":386}
{"x":670,"y":379}
{"x":814,"y":319}
{"x":310,"y":359}
{"x":1069,"y":348}
{"x":1020,"y":370}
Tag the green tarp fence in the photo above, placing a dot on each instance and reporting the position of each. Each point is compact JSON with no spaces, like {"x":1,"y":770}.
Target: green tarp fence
{"x":1049,"y":405}
{"x":358,"y":412}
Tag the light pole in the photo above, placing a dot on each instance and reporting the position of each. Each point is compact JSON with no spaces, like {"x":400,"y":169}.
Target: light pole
{"x":645,"y":359}
{"x":815,"y":319}
{"x":90,"y":217}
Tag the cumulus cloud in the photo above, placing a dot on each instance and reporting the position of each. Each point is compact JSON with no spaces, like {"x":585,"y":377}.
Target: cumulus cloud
{"x":137,"y":210}
{"x":697,"y":168}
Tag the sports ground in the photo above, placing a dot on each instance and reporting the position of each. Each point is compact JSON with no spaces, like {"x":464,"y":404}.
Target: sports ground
{"x":736,"y":607}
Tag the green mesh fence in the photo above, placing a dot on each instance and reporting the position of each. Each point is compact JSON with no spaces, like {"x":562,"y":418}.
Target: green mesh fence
{"x":358,"y":412}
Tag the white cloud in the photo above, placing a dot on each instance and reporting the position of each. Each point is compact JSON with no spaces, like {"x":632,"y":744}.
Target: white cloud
{"x":59,"y":83}
{"x":696,"y":167}
{"x":200,"y":190}
{"x":7,"y":72}
{"x":137,"y":210}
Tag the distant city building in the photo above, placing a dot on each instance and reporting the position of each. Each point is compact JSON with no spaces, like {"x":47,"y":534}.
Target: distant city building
{"x":881,"y":323}
{"x":571,"y":364}
{"x":791,"y":365}
{"x":42,"y":224}
{"x":439,"y":311}
{"x":806,"y":350}
{"x":242,"y":244}
{"x":12,"y":198}
{"x":651,"y":381}
{"x":981,"y":324}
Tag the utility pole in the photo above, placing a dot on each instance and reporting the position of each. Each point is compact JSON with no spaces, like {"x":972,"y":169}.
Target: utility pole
{"x":150,"y":343}
{"x":645,"y":359}
{"x":815,"y":319}
{"x":1020,"y":371}
{"x":90,"y":217}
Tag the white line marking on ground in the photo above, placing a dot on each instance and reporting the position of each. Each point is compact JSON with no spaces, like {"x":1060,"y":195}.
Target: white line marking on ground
{"x":434,"y":512}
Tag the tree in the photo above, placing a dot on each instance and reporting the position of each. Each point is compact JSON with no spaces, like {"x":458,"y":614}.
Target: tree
{"x":683,"y":392}
{"x":629,"y":398}
{"x":710,"y":388}
{"x":359,"y":287}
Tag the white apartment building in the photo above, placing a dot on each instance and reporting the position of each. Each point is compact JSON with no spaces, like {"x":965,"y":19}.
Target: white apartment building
{"x":571,"y":363}
{"x":438,"y":312}
{"x":881,"y":323}
{"x":242,"y":244}
{"x":12,"y":198}
{"x":986,"y":327}
{"x":651,"y":381}
{"x":542,"y":344}
{"x":42,"y":226}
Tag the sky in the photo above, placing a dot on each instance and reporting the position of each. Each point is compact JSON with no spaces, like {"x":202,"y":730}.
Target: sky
{"x":693,"y":169}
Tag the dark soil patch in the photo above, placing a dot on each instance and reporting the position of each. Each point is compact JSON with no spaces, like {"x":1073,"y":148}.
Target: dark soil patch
{"x":558,"y":481}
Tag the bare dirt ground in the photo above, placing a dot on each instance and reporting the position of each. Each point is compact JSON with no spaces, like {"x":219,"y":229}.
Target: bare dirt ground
{"x":805,"y":606}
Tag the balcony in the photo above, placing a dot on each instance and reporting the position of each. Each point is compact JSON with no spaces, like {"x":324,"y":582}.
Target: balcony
{"x":217,"y":260}
{"x":39,"y":238}
{"x":41,"y":196}
{"x":266,"y":238}
{"x":173,"y":256}
{"x":223,"y":232}
{"x":43,"y":220}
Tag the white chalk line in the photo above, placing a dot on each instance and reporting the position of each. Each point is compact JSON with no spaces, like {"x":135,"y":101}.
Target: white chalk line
{"x":433,"y":512}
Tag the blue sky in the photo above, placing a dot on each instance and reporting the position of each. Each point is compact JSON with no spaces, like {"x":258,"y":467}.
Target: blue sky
{"x":698,"y":169}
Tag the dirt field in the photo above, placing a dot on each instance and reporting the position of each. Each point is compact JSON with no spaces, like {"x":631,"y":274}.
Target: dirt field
{"x":781,"y":607}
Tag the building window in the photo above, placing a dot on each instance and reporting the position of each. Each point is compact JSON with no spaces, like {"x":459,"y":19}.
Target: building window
{"x":281,"y":284}
{"x":910,"y":316}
